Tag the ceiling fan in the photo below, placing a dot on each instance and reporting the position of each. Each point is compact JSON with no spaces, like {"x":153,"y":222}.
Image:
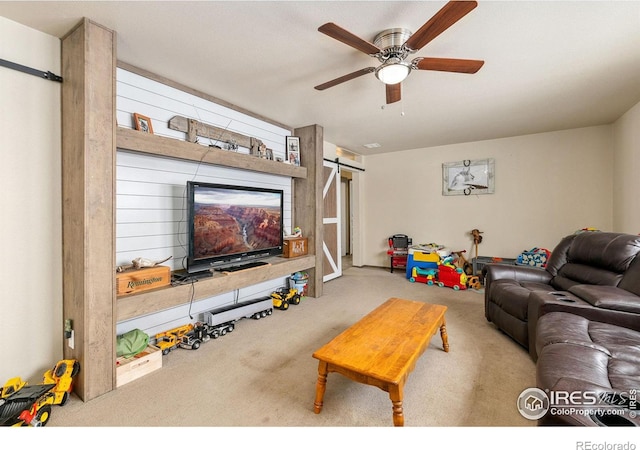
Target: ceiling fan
{"x":391,"y":47}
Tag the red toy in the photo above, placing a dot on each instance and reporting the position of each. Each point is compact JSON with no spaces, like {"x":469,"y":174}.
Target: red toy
{"x":452,"y":277}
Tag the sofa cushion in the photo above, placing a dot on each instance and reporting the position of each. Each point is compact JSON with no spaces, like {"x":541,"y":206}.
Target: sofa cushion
{"x":610,"y":251}
{"x":631,"y":280}
{"x":570,"y":346}
{"x":556,"y":328}
{"x":608,"y":297}
{"x":572,"y":274}
{"x":593,"y":258}
{"x":512,"y":296}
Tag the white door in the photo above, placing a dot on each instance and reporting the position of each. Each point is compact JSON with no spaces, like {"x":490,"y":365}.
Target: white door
{"x":332,"y":267}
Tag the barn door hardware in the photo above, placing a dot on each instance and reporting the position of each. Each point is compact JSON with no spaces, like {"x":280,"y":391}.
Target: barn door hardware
{"x":38,"y":73}
{"x":340,"y":163}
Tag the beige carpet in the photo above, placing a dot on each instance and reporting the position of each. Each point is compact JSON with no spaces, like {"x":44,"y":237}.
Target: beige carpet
{"x":263,"y":374}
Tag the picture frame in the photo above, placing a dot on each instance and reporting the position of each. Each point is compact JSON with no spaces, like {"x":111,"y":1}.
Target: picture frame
{"x":468,"y":177}
{"x":293,"y":150}
{"x":142,"y":123}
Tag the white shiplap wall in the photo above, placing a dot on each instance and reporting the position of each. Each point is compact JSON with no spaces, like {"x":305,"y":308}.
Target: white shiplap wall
{"x":151,"y":219}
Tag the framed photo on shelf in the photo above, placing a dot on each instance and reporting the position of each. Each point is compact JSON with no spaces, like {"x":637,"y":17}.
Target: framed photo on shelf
{"x":468,"y":177}
{"x":293,"y":150}
{"x":142,"y":123}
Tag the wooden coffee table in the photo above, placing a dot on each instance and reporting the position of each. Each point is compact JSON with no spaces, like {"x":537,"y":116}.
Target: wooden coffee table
{"x":382,"y":348}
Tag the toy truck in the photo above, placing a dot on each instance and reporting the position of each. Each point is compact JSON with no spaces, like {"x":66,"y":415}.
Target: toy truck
{"x":24,"y":405}
{"x":222,"y":320}
{"x":171,"y":339}
{"x":195,"y":337}
{"x":283,"y":297}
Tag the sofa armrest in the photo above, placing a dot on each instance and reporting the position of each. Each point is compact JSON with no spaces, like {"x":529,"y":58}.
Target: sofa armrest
{"x":607,"y":297}
{"x":492,"y":272}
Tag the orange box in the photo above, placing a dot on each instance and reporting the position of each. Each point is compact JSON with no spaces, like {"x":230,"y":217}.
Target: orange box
{"x":138,"y":280}
{"x":296,"y":246}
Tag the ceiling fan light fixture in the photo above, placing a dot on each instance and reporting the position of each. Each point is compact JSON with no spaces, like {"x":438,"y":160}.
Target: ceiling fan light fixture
{"x":393,"y":71}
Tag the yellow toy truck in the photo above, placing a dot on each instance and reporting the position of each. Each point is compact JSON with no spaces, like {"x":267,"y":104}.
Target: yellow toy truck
{"x":30,"y":405}
{"x":283,"y":297}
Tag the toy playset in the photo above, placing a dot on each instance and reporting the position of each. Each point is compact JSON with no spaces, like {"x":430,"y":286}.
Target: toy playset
{"x":444,"y":274}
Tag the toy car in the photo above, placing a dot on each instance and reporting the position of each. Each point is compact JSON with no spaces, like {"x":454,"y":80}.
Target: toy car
{"x":420,"y":275}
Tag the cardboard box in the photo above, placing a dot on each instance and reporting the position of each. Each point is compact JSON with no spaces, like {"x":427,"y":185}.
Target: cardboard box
{"x":129,"y":369}
{"x":297,"y":246}
{"x":138,"y":280}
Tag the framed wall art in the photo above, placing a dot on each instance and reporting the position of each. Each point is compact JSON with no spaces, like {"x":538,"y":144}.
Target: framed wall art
{"x":293,"y":150}
{"x":468,"y":177}
{"x":142,"y":123}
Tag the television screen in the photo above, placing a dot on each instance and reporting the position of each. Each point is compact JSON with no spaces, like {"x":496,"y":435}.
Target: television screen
{"x":232,"y":224}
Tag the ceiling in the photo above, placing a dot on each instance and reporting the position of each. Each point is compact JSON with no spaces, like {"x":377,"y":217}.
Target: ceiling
{"x":549,"y":65}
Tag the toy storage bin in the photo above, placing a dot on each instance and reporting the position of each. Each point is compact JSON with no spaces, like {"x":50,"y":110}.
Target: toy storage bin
{"x":299,"y":281}
{"x":480,"y":261}
{"x":132,"y":368}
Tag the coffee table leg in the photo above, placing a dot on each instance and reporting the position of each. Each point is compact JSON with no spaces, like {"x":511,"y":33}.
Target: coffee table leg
{"x":444,"y":336}
{"x":321,"y":386}
{"x":395,"y":393}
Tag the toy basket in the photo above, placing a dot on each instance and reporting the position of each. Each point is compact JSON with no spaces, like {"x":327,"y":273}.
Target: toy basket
{"x":536,"y":257}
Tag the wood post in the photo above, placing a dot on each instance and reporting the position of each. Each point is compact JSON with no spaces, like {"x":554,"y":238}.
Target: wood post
{"x":88,"y":195}
{"x":308,"y":205}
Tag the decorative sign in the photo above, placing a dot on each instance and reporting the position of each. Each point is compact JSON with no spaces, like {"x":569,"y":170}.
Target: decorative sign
{"x":468,"y":177}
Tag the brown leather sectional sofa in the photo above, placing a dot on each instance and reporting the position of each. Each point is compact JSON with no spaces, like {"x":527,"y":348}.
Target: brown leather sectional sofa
{"x":579,"y":317}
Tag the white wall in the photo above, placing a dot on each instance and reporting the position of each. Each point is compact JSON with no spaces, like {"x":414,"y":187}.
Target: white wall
{"x":626,"y":182}
{"x":31,"y":224}
{"x":546,"y":186}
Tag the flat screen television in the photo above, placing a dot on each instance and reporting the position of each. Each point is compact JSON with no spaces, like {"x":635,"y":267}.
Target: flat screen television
{"x":232,"y":225}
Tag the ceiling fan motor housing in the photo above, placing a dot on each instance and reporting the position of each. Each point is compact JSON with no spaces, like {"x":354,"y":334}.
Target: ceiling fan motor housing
{"x":391,"y":42}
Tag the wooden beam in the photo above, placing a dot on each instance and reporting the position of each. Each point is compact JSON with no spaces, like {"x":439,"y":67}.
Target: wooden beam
{"x":194,"y":128}
{"x":152,"y":144}
{"x":136,"y":305}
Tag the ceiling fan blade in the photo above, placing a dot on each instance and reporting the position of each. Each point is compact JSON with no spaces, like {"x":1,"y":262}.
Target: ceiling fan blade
{"x":394,"y":92}
{"x":449,"y":64}
{"x":344,"y":36}
{"x":342,"y":79}
{"x":443,"y":19}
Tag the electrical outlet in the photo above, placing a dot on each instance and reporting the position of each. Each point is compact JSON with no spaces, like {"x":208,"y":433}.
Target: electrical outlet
{"x":68,"y":328}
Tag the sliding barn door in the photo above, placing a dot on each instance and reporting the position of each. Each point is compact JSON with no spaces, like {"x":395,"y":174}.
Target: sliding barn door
{"x":331,"y":222}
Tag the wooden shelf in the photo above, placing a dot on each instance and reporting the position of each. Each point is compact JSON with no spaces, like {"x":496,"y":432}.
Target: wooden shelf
{"x":137,"y":141}
{"x":135,"y":305}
